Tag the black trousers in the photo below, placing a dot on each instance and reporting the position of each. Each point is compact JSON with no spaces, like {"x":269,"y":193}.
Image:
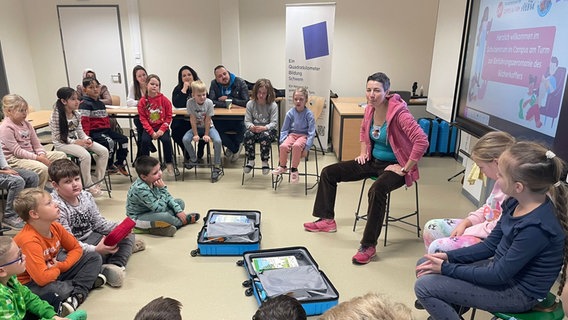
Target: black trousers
{"x":109,"y":138}
{"x":387,"y":181}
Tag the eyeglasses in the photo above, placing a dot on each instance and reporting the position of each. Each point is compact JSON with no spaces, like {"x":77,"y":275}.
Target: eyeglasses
{"x":18,"y":260}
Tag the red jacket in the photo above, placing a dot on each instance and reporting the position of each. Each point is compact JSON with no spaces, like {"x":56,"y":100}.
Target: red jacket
{"x":155,"y":113}
{"x":405,"y":136}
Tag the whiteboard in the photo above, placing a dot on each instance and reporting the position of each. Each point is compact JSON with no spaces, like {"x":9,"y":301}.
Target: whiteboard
{"x":445,"y":58}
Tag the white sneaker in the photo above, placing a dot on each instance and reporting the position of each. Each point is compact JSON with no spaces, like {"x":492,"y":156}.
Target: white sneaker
{"x":265,"y":168}
{"x":114,"y":274}
{"x":96,"y":191}
{"x":249,"y":166}
{"x":237,"y":154}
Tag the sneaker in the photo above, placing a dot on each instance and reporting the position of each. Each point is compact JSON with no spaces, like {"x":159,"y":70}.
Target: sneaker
{"x":164,"y":232}
{"x":249,"y":166}
{"x":190,"y":164}
{"x":228,"y":154}
{"x":237,"y":154}
{"x":295,"y":176}
{"x":321,"y":225}
{"x":99,"y":281}
{"x":265,"y":168}
{"x":122,"y":170}
{"x":95,"y":191}
{"x":170,"y":170}
{"x":364,"y":255}
{"x":14,"y":222}
{"x":280,"y":170}
{"x":192,"y":217}
{"x":139,"y":245}
{"x":112,"y":169}
{"x":114,"y":274}
{"x":216,"y":173}
{"x":66,"y":309}
{"x":71,"y":304}
{"x":418,"y":305}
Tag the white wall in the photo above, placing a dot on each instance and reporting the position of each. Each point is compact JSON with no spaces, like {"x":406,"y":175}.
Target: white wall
{"x":396,"y":37}
{"x":17,"y":52}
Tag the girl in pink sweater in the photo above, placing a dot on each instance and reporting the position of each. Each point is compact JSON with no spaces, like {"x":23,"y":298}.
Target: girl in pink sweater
{"x":441,"y":235}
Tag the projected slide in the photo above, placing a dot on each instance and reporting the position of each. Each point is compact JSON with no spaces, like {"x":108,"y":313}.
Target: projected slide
{"x":518,"y":65}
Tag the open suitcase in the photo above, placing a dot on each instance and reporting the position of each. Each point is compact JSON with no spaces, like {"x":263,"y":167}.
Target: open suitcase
{"x":291,"y":271}
{"x":228,"y":233}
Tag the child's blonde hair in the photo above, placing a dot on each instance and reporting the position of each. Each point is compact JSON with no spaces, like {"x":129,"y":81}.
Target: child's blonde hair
{"x":303,"y":91}
{"x":369,"y":306}
{"x":5,"y":245}
{"x":198,"y":86}
{"x":28,"y":200}
{"x":491,"y":145}
{"x":13,"y":102}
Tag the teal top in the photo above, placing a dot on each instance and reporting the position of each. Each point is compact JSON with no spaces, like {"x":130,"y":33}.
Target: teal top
{"x":381,"y":149}
{"x":16,"y":299}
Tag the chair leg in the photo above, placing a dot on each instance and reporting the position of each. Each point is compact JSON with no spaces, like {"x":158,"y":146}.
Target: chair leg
{"x":357,"y":216}
{"x":387,"y":214}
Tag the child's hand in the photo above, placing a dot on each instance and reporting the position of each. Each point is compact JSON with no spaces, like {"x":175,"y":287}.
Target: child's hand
{"x":160,"y":133}
{"x":10,"y":171}
{"x":195,"y":138}
{"x":155,"y":136}
{"x":159,"y":183}
{"x":59,"y":318}
{"x":103,"y":249}
{"x":52,"y":263}
{"x":182,"y":216}
{"x":43,"y":159}
{"x":206,"y":138}
{"x":432,"y":265}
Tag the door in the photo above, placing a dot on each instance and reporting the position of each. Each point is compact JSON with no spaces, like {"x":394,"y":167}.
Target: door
{"x":92,"y":38}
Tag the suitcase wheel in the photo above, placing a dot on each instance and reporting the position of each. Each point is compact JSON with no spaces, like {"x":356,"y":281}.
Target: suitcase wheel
{"x":247,"y":283}
{"x":240,"y":263}
{"x":194,"y":253}
{"x":248,"y":292}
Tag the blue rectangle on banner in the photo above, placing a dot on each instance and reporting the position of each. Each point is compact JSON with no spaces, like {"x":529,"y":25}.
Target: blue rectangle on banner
{"x":315,"y":40}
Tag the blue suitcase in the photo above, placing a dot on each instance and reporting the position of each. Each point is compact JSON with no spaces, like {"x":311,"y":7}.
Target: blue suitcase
{"x":316,"y":294}
{"x":209,"y":244}
{"x":430,"y":127}
{"x":447,"y":138}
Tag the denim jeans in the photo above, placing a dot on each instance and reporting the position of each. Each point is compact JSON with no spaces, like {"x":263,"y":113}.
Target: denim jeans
{"x":166,"y":216}
{"x":442,"y":295}
{"x":13,"y":184}
{"x":213,"y":134}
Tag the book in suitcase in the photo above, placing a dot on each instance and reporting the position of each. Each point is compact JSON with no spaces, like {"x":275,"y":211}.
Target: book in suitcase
{"x":291,"y":271}
{"x":228,"y":233}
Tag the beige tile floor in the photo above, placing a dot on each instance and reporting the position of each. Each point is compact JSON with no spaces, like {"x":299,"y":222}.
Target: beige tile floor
{"x":209,"y":287}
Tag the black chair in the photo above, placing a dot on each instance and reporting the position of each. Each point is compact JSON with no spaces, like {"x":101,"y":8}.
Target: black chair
{"x":388,"y":217}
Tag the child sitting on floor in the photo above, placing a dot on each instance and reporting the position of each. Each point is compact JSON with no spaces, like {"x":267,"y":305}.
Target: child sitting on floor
{"x":151,"y":205}
{"x":41,"y":239}
{"x":16,"y":300}
{"x":79,"y":214}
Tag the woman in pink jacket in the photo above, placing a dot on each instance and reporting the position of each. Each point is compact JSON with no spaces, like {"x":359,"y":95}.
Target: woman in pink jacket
{"x":441,"y":235}
{"x":392,"y":142}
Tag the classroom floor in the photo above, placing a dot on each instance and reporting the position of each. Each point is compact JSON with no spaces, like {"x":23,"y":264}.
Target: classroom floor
{"x":210,"y":287}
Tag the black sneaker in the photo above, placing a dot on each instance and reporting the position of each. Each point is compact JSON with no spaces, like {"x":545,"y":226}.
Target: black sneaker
{"x":100,"y":281}
{"x":190,"y":164}
{"x":418,"y":305}
{"x":72,"y":303}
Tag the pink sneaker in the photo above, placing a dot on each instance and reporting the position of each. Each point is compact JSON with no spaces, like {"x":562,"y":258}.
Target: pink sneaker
{"x":364,"y":255}
{"x":295,"y":177}
{"x":280,"y":170}
{"x":321,"y":225}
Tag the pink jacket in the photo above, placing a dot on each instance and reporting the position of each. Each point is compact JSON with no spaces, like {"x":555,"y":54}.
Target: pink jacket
{"x":484,"y":219}
{"x":405,"y":136}
{"x":19,"y":141}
